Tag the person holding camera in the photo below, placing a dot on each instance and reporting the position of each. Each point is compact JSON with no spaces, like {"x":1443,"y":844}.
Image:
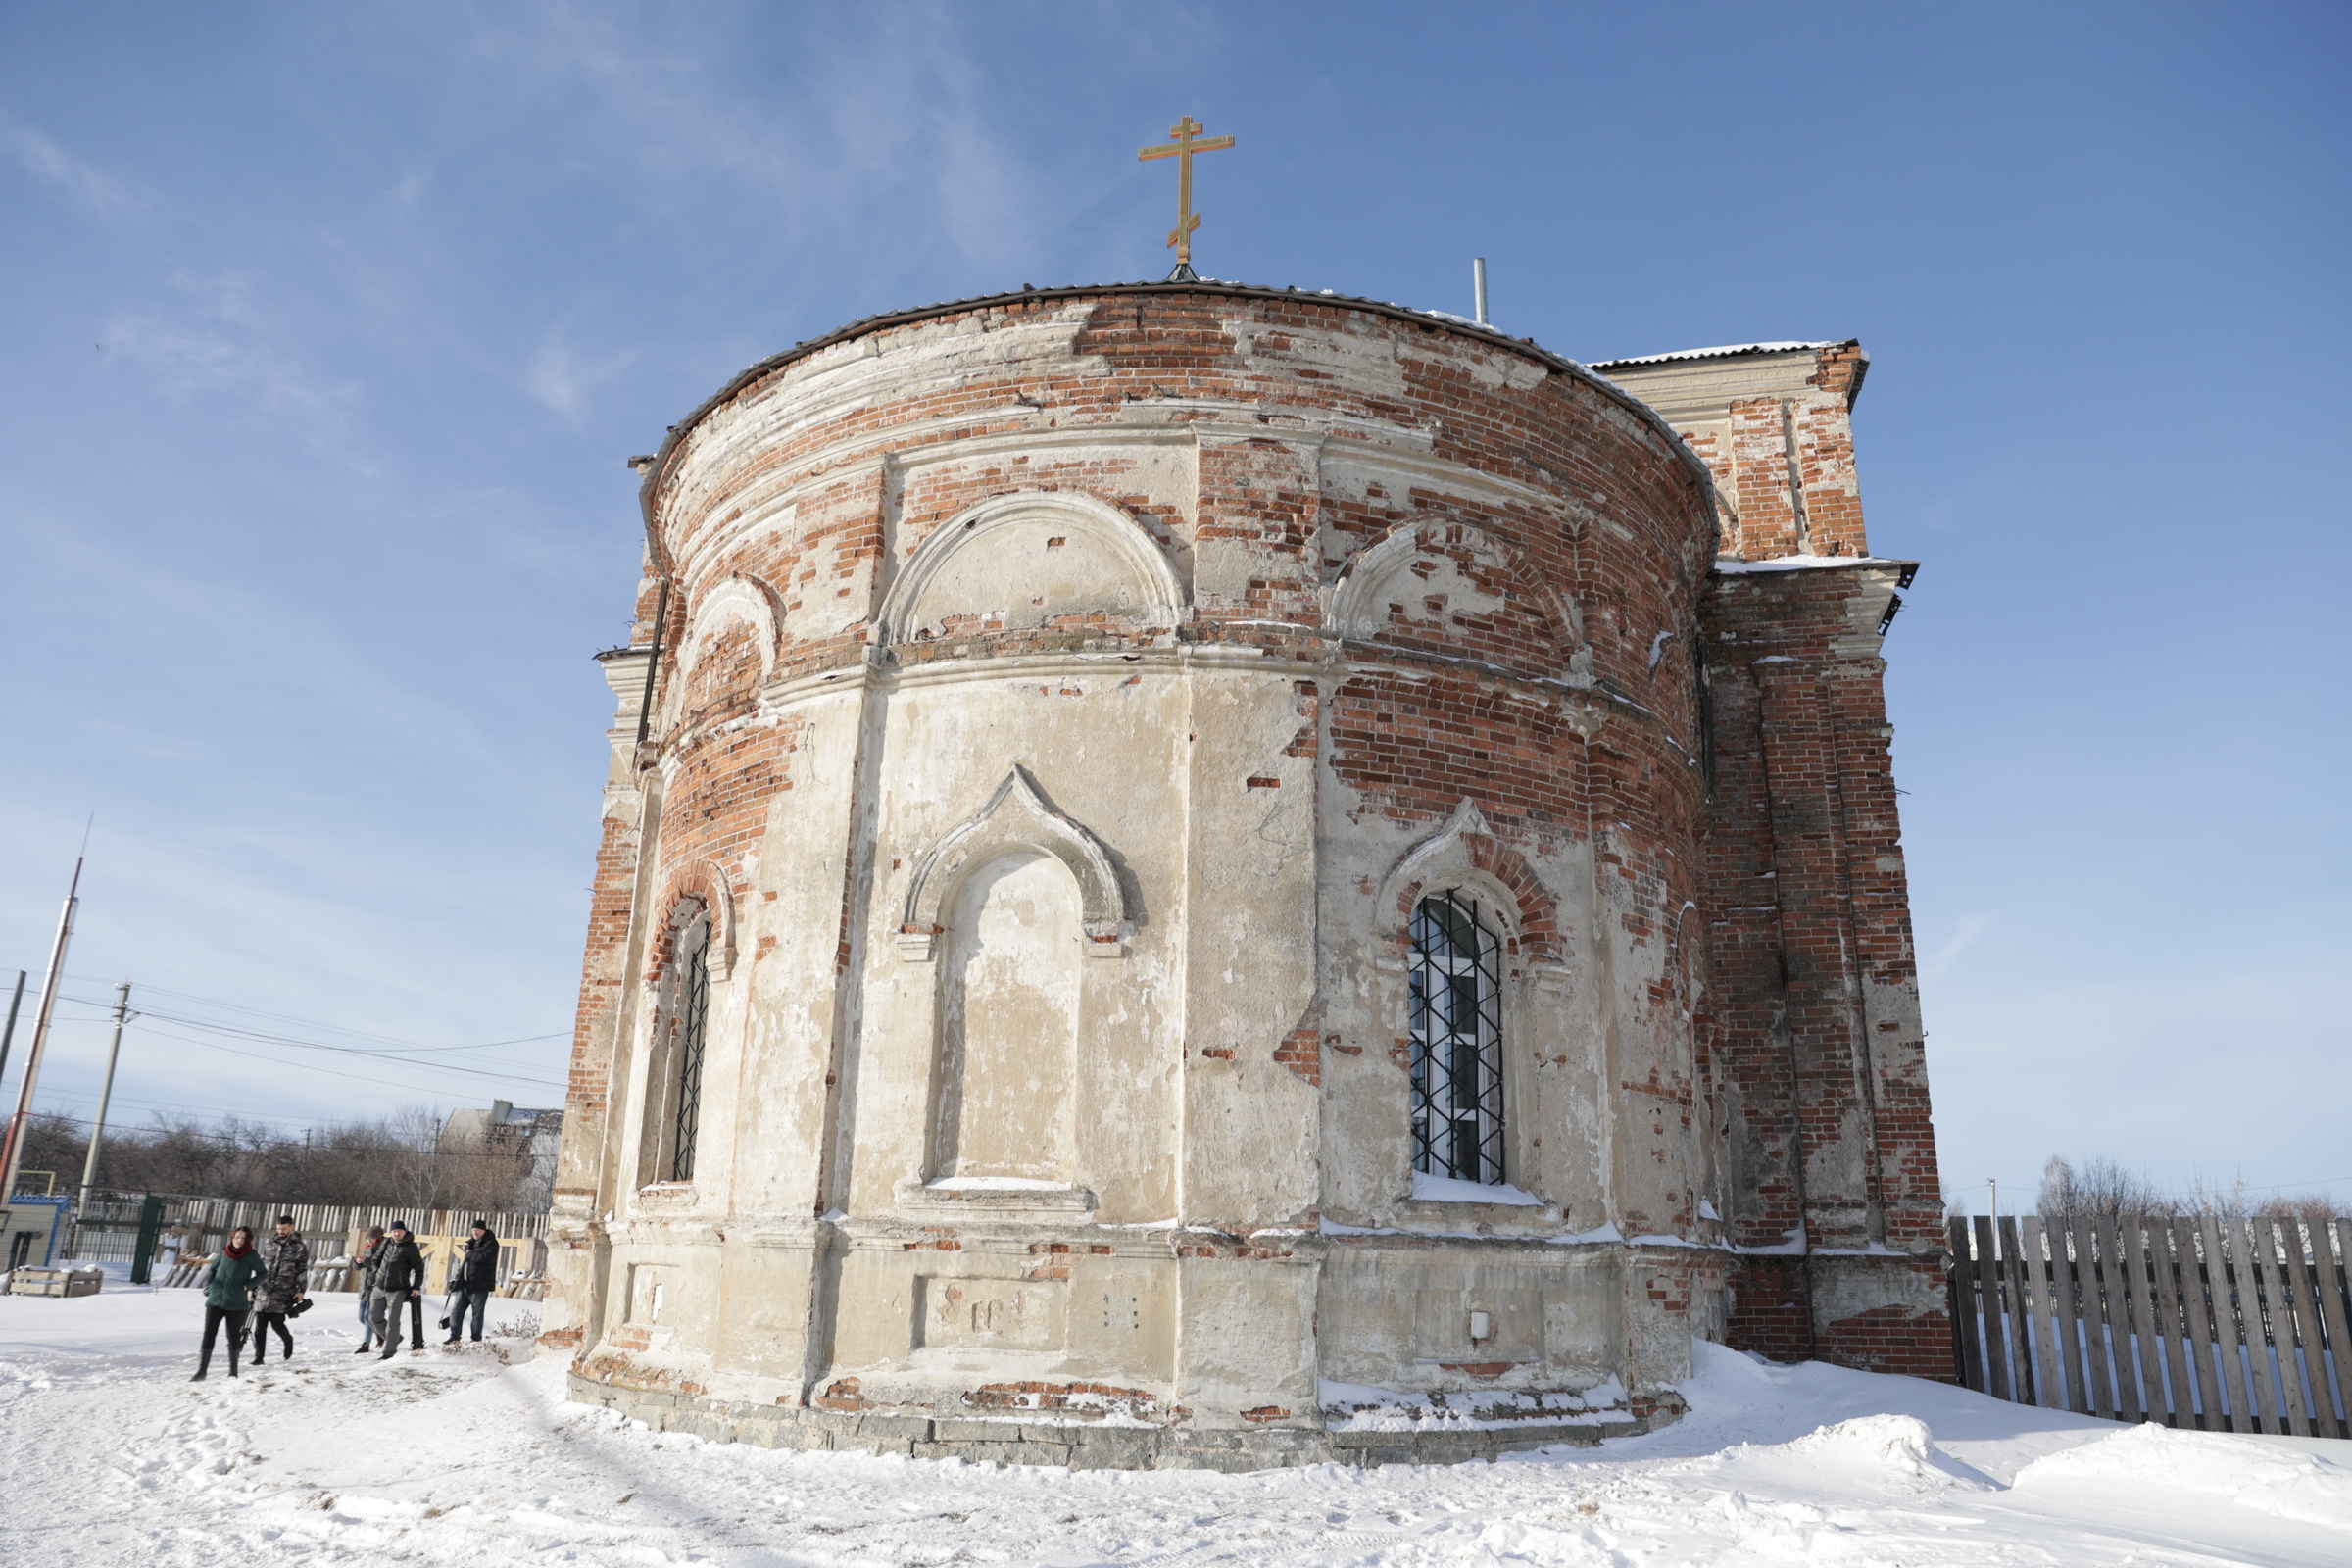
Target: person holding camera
{"x":399,"y":1280}
{"x":371,"y":1253}
{"x":286,"y":1289}
{"x":472,"y":1278}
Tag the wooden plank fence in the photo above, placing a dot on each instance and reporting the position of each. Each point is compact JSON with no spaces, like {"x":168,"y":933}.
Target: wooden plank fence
{"x":2230,"y":1325}
{"x":196,"y":1228}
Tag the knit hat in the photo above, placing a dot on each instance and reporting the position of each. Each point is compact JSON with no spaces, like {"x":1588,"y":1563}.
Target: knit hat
{"x":400,"y":1225}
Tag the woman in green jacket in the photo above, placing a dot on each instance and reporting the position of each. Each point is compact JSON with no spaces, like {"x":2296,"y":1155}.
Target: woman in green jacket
{"x":229,"y":1294}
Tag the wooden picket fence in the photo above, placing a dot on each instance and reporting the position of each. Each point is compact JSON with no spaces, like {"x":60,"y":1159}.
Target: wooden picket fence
{"x":2230,"y":1325}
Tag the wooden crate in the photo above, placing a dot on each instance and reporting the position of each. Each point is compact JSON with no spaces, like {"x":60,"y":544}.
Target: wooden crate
{"x":56,"y":1281}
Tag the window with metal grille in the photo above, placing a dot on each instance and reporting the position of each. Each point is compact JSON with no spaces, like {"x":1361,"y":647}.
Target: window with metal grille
{"x":687,"y":1032}
{"x":1458,"y":1042}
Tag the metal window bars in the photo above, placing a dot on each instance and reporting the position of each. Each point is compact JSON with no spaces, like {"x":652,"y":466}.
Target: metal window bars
{"x":1457,"y":982}
{"x":689,"y":1031}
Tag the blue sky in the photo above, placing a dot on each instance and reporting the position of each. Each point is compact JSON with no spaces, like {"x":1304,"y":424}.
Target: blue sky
{"x":328,"y":331}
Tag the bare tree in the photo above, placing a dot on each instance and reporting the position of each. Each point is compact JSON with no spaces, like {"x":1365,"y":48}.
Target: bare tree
{"x":407,"y":1158}
{"x":2103,"y":1190}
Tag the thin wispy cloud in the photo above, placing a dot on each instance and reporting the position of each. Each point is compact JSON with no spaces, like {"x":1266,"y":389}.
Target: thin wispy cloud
{"x":219,"y":344}
{"x":564,"y":377}
{"x":885,"y":135}
{"x":87,"y":187}
{"x":1973,"y":925}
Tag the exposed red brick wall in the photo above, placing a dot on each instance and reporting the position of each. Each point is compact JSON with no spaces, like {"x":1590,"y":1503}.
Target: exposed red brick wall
{"x":1893,"y":1340}
{"x":1772,"y":1314}
{"x":601,"y":980}
{"x":1717,"y":742}
{"x":1771,"y":1309}
{"x":1814,"y":1006}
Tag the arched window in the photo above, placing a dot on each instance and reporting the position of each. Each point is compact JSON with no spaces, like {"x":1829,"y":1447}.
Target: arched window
{"x":687,"y":1027}
{"x":1458,"y":1042}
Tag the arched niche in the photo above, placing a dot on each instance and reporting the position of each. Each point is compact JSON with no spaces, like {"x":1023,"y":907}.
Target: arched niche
{"x":1015,"y":819}
{"x":1010,"y":990}
{"x":740,"y":604}
{"x":1449,"y":587}
{"x":1030,"y":561}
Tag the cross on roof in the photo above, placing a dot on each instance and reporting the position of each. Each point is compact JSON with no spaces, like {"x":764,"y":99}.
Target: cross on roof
{"x":1184,"y":132}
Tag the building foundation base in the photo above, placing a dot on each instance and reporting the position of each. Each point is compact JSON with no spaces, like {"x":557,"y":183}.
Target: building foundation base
{"x":1083,"y":1445}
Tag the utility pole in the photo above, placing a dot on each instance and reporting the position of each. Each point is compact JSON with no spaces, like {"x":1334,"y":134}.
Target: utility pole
{"x":9,"y":1033}
{"x":13,"y":1154}
{"x":114,"y":1052}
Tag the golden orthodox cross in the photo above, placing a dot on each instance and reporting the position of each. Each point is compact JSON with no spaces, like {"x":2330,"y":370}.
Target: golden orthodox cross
{"x":1188,"y":142}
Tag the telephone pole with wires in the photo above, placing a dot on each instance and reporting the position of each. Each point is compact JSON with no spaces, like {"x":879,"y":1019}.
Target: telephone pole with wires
{"x":14,"y":1154}
{"x":114,"y":1053}
{"x":9,"y":1033}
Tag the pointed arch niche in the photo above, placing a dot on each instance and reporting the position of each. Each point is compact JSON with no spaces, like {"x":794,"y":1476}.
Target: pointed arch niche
{"x":1007,"y":910}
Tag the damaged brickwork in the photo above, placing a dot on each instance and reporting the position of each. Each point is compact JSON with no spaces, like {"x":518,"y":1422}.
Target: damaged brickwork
{"x":1059,"y":706}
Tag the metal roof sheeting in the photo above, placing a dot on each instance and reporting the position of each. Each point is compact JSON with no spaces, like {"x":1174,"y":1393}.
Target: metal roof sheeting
{"x":1728,"y":350}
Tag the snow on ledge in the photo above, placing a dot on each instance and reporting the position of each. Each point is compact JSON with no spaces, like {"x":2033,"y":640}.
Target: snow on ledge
{"x":1726,"y":565}
{"x":1792,"y":1245}
{"x":996,"y":1184}
{"x":1427,"y":1189}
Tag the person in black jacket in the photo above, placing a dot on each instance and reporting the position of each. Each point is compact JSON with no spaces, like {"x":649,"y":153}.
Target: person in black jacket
{"x":399,"y":1279}
{"x":471,"y":1278}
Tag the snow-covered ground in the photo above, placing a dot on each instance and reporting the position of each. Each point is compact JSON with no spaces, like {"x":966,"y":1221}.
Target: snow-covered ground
{"x":111,"y":1457}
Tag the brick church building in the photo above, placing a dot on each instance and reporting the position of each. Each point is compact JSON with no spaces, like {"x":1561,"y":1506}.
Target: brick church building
{"x":1213,"y":875}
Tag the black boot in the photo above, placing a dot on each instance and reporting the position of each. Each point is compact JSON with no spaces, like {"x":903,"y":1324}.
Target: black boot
{"x":234,"y":1346}
{"x":204,"y":1364}
{"x":390,"y":1346}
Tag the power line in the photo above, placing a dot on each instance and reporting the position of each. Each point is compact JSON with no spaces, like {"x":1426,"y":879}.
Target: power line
{"x":392,"y":1041}
{"x":266,"y":1037}
{"x":303,"y":1067}
{"x":500,"y":1070}
{"x":316,"y":1023}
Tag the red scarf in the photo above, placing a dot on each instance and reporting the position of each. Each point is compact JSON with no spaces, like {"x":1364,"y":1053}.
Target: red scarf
{"x":234,"y":1250}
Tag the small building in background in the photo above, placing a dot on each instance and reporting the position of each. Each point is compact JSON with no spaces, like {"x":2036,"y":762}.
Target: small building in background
{"x":504,"y":1128}
{"x":34,"y":1229}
